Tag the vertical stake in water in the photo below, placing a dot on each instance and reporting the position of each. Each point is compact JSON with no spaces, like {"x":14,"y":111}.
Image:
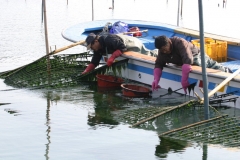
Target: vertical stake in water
{"x":178,"y":12}
{"x":45,"y":26}
{"x":204,"y":75}
{"x":205,"y":151}
{"x":112,"y":4}
{"x":42,"y":10}
{"x":46,"y":40}
{"x":181,"y":8}
{"x":92,"y":11}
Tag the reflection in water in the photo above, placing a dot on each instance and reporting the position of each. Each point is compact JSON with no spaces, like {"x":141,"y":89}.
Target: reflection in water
{"x":105,"y":103}
{"x":48,"y":126}
{"x":205,"y":148}
{"x":167,"y":145}
{"x":12,"y":111}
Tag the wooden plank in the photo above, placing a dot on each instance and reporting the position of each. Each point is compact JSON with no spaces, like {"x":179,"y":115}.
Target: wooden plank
{"x":195,"y":33}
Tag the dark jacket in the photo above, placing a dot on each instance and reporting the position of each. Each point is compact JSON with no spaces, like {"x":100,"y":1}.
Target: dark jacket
{"x":109,"y":43}
{"x":182,"y":53}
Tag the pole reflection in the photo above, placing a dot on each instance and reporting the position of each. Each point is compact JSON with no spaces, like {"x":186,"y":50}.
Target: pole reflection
{"x":48,"y":127}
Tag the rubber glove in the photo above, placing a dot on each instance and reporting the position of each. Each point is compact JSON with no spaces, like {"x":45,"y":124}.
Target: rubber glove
{"x":157,"y":73}
{"x":115,"y":54}
{"x":186,"y":68}
{"x":89,"y":68}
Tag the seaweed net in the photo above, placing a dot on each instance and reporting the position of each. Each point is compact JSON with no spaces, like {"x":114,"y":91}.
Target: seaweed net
{"x":185,"y":122}
{"x":57,"y":71}
{"x":222,"y":130}
{"x":143,"y":117}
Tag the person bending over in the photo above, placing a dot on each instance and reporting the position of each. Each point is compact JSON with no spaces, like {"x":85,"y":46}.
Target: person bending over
{"x":181,"y":52}
{"x":115,"y":44}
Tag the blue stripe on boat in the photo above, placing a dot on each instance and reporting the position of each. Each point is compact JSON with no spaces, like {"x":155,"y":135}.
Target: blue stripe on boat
{"x":211,"y":85}
{"x":231,"y":89}
{"x":140,"y":68}
{"x":165,"y":75}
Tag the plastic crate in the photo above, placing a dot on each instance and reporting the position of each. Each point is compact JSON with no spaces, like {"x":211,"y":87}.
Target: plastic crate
{"x":215,"y":49}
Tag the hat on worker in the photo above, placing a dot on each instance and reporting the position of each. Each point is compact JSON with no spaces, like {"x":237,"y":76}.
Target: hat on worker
{"x":90,"y":38}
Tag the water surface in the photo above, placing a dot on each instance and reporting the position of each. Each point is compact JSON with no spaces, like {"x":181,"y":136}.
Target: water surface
{"x":78,"y":123}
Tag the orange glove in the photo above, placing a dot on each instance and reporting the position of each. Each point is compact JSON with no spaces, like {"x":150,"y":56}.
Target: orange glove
{"x":115,"y":54}
{"x":89,"y":68}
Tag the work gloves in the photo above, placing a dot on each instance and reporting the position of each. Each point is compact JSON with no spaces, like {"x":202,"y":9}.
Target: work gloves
{"x":186,"y":68}
{"x":115,"y":54}
{"x":157,"y":73}
{"x":89,"y":68}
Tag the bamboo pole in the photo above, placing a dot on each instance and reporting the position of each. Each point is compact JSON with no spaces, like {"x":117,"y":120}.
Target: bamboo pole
{"x":67,"y":47}
{"x":4,"y":103}
{"x":191,"y":125}
{"x":181,"y":7}
{"x":45,"y":27}
{"x":47,"y":45}
{"x":42,"y":11}
{"x":159,"y":114}
{"x":178,"y":12}
{"x":92,"y":11}
{"x":54,"y":52}
{"x":229,"y":78}
{"x":199,"y":98}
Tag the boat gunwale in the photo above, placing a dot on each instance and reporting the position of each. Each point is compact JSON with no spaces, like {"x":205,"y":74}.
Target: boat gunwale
{"x":156,"y":25}
{"x":148,"y":24}
{"x":196,"y":69}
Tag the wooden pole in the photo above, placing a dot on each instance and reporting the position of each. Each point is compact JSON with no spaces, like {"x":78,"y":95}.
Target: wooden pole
{"x":159,"y":114}
{"x":67,"y":47}
{"x":192,"y":125}
{"x":45,"y":27}
{"x":47,"y":45}
{"x":92,"y":11}
{"x":42,"y":10}
{"x":181,"y":8}
{"x":229,"y":78}
{"x":54,"y":52}
{"x":178,"y":12}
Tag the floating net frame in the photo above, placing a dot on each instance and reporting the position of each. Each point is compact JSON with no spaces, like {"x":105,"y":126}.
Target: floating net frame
{"x":49,"y":70}
{"x":140,"y":117}
{"x":221,"y":130}
{"x":57,"y":71}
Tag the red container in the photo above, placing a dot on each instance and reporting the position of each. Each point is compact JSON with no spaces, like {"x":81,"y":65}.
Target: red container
{"x":134,"y":90}
{"x":109,"y":81}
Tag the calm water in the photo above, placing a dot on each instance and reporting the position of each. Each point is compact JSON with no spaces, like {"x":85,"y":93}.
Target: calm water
{"x":77,"y":123}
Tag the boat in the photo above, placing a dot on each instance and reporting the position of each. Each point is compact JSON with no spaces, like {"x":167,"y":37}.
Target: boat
{"x":140,"y":67}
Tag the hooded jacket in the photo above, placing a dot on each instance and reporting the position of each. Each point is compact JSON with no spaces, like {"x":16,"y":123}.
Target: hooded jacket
{"x":182,"y":52}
